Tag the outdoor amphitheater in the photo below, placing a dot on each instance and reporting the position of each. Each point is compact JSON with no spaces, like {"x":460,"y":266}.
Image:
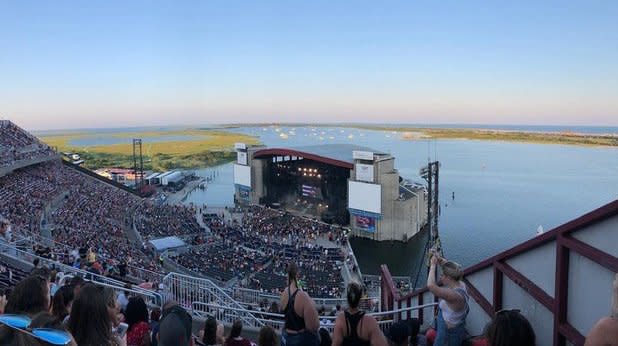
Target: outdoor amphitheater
{"x":232,"y":265}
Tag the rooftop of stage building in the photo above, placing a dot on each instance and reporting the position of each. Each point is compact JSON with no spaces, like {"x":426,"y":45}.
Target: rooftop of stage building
{"x":335,"y":154}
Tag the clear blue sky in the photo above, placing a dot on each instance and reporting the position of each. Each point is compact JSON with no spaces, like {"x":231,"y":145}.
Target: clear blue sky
{"x":124,"y":63}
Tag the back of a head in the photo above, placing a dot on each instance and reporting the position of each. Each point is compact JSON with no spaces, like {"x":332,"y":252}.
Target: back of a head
{"x":12,"y":337}
{"x":399,"y":333}
{"x":62,"y":299}
{"x":510,"y":328}
{"x":267,"y":337}
{"x":325,"y":339}
{"x":30,"y":296}
{"x":292,"y":272}
{"x":175,"y":327}
{"x":136,"y":311}
{"x":236,"y":329}
{"x":89,"y":321}
{"x":210,"y":331}
{"x":355,"y":292}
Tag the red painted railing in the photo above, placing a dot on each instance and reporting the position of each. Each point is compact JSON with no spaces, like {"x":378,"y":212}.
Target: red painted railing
{"x":565,"y":245}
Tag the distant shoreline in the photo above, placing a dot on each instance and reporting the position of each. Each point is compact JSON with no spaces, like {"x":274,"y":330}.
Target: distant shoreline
{"x":418,"y":133}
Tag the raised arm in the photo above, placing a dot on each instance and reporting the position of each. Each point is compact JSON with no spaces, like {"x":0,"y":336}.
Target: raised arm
{"x":447,"y":294}
{"x":310,"y":314}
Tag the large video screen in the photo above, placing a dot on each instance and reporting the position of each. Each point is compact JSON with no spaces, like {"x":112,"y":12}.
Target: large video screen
{"x":365,"y":196}
{"x":242,"y":175}
{"x":310,"y":191}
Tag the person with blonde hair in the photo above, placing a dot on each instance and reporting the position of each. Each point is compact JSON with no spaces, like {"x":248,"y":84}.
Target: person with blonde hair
{"x":605,"y":332}
{"x":453,"y":301}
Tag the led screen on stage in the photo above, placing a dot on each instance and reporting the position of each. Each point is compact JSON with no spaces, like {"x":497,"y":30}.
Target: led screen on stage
{"x":311,"y":191}
{"x":365,"y":197}
{"x":242,"y":175}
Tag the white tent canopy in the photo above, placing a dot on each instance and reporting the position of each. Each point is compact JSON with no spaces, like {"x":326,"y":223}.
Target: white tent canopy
{"x":166,"y":243}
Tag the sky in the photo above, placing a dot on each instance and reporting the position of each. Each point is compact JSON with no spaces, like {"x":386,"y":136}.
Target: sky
{"x":87,"y":64}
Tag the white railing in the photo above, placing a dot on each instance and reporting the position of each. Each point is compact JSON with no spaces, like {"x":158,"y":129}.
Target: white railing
{"x":255,"y":298}
{"x":227,"y":315}
{"x":152,"y":297}
{"x":186,"y":289}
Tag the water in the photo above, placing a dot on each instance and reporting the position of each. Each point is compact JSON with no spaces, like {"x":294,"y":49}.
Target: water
{"x":503,"y":191}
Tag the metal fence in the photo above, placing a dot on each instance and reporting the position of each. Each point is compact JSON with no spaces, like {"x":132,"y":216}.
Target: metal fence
{"x":227,"y":315}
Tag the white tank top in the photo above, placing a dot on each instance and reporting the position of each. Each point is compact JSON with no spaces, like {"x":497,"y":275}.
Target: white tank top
{"x":451,"y":317}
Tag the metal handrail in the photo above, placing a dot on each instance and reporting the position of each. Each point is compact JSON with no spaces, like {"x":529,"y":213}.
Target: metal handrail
{"x":97,"y":278}
{"x":277,"y":320}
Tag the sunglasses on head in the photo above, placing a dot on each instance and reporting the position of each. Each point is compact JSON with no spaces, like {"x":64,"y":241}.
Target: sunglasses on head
{"x":21,"y":324}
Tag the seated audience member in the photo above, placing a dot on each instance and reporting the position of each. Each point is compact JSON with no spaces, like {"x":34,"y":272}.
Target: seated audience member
{"x":353,"y":327}
{"x":62,"y":302}
{"x":212,"y":334}
{"x":93,"y":316}
{"x":399,"y":334}
{"x":175,"y":326}
{"x":30,"y":296}
{"x":235,"y":339}
{"x":267,"y":337}
{"x":510,"y":328}
{"x":136,"y":316}
{"x":605,"y":332}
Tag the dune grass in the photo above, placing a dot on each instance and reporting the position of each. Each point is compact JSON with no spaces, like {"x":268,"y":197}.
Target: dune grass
{"x":208,"y":148}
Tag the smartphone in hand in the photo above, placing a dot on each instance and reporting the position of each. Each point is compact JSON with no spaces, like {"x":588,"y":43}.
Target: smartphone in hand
{"x":121,"y":330}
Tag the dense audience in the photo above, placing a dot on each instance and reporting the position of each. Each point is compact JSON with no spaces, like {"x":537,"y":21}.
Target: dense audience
{"x":17,"y":145}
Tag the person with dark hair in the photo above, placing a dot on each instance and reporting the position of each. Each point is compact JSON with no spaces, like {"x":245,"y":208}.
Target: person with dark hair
{"x":155,"y":316}
{"x":93,"y":315}
{"x":175,"y":326}
{"x":235,"y":339}
{"x":605,"y":331}
{"x":353,"y":327}
{"x":76,"y":282}
{"x":415,"y":338}
{"x":30,"y":296}
{"x":399,"y":334}
{"x":212,"y":333}
{"x":62,"y":302}
{"x":453,"y":301}
{"x":301,"y":317}
{"x":267,"y":337}
{"x":136,"y":316}
{"x":509,"y":328}
{"x":325,"y":339}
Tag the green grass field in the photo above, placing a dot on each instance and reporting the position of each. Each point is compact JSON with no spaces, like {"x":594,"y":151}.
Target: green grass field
{"x":207,"y":149}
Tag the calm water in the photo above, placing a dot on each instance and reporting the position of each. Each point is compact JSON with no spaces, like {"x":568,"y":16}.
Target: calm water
{"x":503,"y":191}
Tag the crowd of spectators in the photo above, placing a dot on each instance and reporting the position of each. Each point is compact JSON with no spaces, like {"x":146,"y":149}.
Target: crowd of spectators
{"x":222,"y":261}
{"x":17,"y":145}
{"x":156,"y":221}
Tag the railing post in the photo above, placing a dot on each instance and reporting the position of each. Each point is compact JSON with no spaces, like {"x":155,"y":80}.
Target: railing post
{"x":561,"y":290}
{"x":498,"y":287}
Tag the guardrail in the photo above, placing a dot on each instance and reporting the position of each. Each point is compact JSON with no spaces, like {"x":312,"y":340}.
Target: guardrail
{"x":255,"y":297}
{"x":154,"y":298}
{"x":186,"y":289}
{"x":227,"y":315}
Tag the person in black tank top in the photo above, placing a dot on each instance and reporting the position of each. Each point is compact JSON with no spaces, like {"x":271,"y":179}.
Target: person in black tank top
{"x":293,"y":322}
{"x":299,"y":329}
{"x":352,"y":322}
{"x":353,"y":327}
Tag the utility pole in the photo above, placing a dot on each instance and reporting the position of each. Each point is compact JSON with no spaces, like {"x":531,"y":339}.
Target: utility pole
{"x":137,"y":151}
{"x":431,"y":173}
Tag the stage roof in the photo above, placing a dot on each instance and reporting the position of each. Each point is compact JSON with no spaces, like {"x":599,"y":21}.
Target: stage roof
{"x":334,"y":154}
